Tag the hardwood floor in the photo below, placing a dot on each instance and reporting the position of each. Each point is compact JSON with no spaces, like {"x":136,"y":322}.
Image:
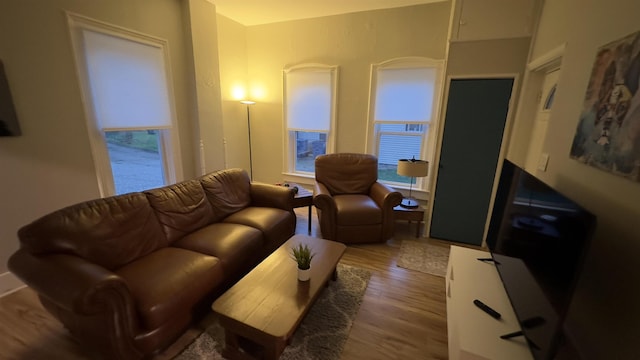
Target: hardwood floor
{"x":402,"y":316}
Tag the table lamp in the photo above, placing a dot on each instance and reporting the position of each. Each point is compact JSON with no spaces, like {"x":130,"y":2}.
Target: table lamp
{"x":412,"y":168}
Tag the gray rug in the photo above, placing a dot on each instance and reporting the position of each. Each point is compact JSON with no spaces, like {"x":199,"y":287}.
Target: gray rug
{"x":424,"y":257}
{"x":322,"y":333}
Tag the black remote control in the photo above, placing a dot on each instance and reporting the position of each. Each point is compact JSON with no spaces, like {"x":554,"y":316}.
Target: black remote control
{"x":494,"y":314}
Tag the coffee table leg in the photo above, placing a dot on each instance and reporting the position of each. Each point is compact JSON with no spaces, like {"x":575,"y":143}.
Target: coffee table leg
{"x":232,"y":345}
{"x":334,"y":276}
{"x":273,"y":351}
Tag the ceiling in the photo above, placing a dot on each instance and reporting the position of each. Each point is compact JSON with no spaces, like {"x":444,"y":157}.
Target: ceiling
{"x":256,"y":12}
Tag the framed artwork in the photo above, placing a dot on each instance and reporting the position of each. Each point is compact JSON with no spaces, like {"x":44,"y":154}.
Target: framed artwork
{"x":8,"y":120}
{"x":608,"y":133}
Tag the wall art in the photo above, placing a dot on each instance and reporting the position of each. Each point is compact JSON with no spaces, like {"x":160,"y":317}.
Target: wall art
{"x":608,"y":133}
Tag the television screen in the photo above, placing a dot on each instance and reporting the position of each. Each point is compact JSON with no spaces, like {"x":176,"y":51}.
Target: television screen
{"x":538,"y":238}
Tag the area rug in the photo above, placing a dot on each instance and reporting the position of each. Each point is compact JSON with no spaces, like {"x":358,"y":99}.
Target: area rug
{"x":424,"y":257}
{"x":321,"y":335}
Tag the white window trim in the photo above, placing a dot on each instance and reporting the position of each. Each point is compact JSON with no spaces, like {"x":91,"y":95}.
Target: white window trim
{"x":288,"y":156}
{"x":428,"y":148}
{"x":171,"y":144}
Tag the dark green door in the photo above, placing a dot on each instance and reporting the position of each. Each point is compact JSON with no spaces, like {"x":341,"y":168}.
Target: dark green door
{"x":474,"y":124}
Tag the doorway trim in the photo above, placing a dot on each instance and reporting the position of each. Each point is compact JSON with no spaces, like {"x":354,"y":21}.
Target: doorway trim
{"x":526,"y":112}
{"x":440,"y":133}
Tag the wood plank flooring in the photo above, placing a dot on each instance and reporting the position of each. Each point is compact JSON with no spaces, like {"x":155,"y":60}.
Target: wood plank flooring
{"x":402,"y":316}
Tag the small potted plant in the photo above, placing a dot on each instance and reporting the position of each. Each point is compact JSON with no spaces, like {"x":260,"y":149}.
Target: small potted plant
{"x":302,"y":255}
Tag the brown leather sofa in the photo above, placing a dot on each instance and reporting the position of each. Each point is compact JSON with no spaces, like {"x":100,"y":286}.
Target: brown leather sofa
{"x":128,"y":274}
{"x":352,"y":206}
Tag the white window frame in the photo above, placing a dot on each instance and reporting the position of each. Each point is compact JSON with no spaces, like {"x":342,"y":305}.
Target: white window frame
{"x":169,"y":137}
{"x":429,"y":140}
{"x":289,"y":143}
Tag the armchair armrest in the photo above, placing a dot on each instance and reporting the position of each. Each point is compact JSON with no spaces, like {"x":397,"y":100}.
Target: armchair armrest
{"x":387,"y":199}
{"x":385,"y":196}
{"x":268,"y":195}
{"x":71,"y":282}
{"x":322,"y":198}
{"x":327,"y":211}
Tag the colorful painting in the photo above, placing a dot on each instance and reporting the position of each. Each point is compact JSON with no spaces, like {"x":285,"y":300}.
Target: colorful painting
{"x":8,"y":121}
{"x":608,"y":133}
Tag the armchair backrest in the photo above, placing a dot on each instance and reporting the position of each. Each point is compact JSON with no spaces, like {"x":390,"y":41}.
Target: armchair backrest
{"x":347,"y":173}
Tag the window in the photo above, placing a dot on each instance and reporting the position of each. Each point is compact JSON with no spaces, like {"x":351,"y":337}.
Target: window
{"x":405,"y":98}
{"x":136,"y":159}
{"x":130,"y":114}
{"x":309,"y":108}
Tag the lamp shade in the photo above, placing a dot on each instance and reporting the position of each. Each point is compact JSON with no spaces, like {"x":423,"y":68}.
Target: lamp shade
{"x":413,"y":168}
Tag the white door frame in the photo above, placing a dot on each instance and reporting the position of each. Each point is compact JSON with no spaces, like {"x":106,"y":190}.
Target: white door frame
{"x":534,"y":75}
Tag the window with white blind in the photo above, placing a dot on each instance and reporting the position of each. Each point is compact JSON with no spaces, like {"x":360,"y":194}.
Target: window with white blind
{"x":125,"y":82}
{"x":309,"y":109}
{"x":404,"y":108}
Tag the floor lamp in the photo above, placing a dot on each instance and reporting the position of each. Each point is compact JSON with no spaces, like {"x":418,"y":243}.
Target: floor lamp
{"x":248,"y":103}
{"x":412,"y":168}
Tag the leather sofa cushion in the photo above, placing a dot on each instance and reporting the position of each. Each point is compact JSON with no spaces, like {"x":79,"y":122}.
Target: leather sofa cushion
{"x":347,"y":173}
{"x":109,"y":232}
{"x":357,"y":210}
{"x":170,"y":281}
{"x":275,"y":224}
{"x":235,"y":245}
{"x":181,"y":208}
{"x":228,"y":191}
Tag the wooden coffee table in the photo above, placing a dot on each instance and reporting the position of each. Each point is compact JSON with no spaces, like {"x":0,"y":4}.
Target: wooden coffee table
{"x":266,"y":306}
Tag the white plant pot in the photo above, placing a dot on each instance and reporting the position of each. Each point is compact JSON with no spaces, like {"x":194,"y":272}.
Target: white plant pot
{"x":303,"y":275}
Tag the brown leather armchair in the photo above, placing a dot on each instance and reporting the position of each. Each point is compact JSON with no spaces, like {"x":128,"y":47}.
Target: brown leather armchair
{"x":353,"y":207}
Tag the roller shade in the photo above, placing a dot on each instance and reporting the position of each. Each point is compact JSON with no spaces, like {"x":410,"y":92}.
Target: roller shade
{"x":404,"y":95}
{"x":308,"y":96}
{"x":127,"y":81}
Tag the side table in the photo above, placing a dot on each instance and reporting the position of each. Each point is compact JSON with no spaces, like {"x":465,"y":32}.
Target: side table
{"x":410,"y":215}
{"x":303,"y":198}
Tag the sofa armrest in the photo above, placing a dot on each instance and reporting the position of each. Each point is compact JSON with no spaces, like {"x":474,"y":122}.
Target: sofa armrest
{"x":71,"y":282}
{"x":267,"y":195}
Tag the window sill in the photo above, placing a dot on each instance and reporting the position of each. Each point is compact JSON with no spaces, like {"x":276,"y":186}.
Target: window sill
{"x":302,"y":179}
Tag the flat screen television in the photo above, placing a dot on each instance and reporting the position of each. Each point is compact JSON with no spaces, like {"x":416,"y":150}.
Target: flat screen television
{"x":538,"y":239}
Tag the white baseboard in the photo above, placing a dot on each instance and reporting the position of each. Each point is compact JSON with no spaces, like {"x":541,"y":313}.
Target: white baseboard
{"x":9,"y":283}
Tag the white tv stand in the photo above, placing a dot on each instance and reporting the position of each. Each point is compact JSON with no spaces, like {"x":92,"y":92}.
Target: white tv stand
{"x":473,"y":334}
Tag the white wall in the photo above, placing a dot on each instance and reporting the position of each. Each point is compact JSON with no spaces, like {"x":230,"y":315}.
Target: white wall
{"x":605,"y":314}
{"x":352,"y":41}
{"x":206,"y":110}
{"x":553,"y":27}
{"x":50,"y":165}
{"x":232,"y":43}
